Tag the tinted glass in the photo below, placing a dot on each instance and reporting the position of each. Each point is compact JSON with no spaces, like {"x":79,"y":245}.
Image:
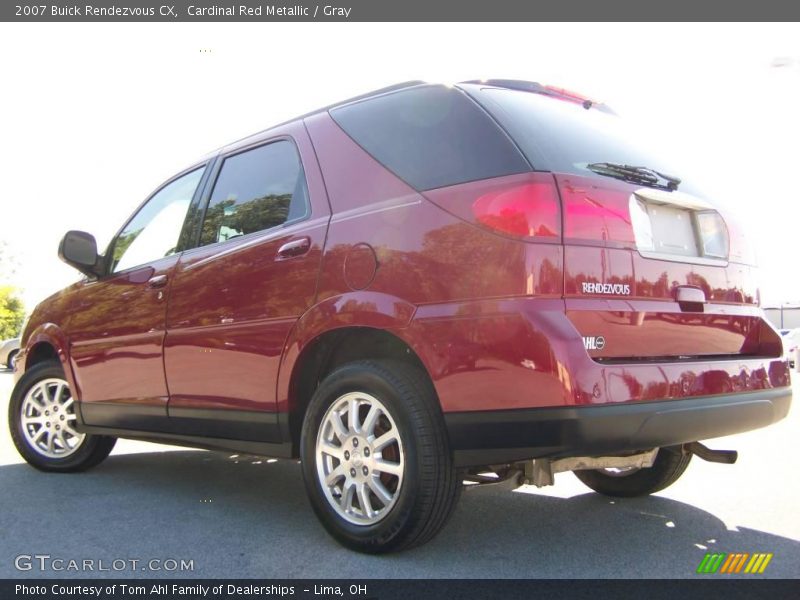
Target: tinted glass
{"x":153,"y":233}
{"x":556,"y":135}
{"x":256,"y":190}
{"x":431,"y":137}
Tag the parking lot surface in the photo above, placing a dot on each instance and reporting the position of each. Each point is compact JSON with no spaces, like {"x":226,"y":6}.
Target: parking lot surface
{"x":240,"y":516}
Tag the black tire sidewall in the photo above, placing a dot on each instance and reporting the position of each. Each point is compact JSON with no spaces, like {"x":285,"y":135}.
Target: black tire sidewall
{"x":377,"y":537}
{"x":94,"y":447}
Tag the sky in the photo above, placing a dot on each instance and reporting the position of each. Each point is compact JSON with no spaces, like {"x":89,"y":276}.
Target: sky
{"x":93,"y":117}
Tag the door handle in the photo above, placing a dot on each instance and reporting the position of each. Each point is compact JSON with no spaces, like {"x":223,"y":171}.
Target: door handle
{"x":687,"y":293}
{"x":294,"y":248}
{"x":157,"y":282}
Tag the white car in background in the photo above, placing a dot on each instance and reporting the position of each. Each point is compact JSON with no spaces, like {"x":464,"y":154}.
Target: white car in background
{"x":8,"y":352}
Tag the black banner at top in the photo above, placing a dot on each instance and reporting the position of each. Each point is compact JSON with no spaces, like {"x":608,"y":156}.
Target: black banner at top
{"x":396,"y":10}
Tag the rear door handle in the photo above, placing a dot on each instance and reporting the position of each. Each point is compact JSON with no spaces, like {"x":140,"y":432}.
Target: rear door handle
{"x":157,"y":282}
{"x":294,"y":248}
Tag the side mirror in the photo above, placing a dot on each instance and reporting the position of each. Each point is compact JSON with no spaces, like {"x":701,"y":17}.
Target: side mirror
{"x":79,"y":249}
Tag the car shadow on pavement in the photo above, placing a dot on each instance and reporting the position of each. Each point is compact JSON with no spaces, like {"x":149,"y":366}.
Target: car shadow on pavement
{"x":241,"y":516}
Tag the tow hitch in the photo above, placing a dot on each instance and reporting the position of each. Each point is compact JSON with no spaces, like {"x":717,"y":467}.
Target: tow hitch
{"x":726,"y":457}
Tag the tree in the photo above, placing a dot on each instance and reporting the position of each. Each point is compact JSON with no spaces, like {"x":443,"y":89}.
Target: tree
{"x":12,"y":313}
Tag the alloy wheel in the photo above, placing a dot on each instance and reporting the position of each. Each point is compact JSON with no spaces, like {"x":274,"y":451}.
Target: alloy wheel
{"x":359,"y":458}
{"x":48,"y":419}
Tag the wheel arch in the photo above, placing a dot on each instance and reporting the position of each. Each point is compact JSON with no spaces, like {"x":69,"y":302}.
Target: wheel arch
{"x":46,"y":342}
{"x":40,"y":352}
{"x":335,"y":332}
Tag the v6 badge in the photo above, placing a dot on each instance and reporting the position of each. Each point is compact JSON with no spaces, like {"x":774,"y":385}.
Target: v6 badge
{"x":597,"y":342}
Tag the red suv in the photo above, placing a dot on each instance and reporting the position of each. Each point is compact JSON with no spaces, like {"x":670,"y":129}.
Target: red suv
{"x":489,"y":282}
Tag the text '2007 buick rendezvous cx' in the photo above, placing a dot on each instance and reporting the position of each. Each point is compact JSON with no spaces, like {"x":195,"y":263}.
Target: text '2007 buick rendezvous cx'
{"x":415,"y":289}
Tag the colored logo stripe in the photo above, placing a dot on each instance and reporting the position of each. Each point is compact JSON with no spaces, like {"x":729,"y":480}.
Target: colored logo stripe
{"x":734,"y":562}
{"x":710,"y":563}
{"x":758,"y":563}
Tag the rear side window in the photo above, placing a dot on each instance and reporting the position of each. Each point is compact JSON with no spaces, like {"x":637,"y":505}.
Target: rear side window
{"x":431,"y":137}
{"x":256,"y":190}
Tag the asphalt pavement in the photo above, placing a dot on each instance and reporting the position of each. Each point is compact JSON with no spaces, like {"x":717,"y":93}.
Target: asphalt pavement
{"x":227,"y":515}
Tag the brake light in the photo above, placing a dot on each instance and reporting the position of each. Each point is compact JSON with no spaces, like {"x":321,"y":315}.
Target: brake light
{"x":529,"y":210}
{"x":596,"y":214}
{"x":657,"y":223}
{"x":570,"y":96}
{"x":522,"y":206}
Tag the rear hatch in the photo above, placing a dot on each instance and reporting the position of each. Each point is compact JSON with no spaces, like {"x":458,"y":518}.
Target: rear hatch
{"x":652,"y":269}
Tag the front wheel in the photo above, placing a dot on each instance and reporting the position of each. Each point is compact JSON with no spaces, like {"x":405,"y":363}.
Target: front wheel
{"x":669,"y":465}
{"x":12,"y":358}
{"x":376,"y":461}
{"x":42,"y":420}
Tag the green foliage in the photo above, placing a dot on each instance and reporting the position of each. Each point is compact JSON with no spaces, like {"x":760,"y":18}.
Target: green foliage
{"x":246,"y":217}
{"x":123,"y":243}
{"x":12,"y":313}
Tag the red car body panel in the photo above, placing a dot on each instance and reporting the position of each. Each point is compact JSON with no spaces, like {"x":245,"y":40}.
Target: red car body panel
{"x":232,"y":306}
{"x":498,"y":322}
{"x":116,"y":335}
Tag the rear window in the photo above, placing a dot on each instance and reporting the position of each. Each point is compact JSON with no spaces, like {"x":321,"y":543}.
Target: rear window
{"x":561,"y":136}
{"x":431,"y":137}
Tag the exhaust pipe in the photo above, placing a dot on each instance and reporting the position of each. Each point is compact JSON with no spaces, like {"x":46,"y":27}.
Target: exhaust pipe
{"x":726,"y":457}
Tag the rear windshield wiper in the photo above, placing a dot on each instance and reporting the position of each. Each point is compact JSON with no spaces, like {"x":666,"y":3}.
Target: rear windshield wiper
{"x":641,"y":175}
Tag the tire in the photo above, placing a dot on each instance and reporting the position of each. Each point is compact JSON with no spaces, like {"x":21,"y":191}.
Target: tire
{"x":419,"y":486}
{"x":669,"y":465}
{"x":41,"y":407}
{"x":12,"y":356}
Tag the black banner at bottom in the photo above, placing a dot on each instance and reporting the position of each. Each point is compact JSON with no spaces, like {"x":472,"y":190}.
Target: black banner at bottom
{"x":390,"y":589}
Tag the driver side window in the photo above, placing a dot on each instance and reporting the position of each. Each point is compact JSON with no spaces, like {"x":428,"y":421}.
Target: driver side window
{"x":153,"y":233}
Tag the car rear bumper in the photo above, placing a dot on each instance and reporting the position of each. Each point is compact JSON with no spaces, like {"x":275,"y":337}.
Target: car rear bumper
{"x":526,"y":353}
{"x":496,"y":437}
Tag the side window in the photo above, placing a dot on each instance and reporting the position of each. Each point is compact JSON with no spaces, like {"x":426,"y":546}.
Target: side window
{"x":431,"y":137}
{"x":153,"y":233}
{"x":256,"y":190}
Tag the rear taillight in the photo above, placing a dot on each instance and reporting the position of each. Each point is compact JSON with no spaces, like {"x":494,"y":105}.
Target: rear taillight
{"x":658,"y":223}
{"x":522,"y":206}
{"x":596,"y":214}
{"x":527,"y":210}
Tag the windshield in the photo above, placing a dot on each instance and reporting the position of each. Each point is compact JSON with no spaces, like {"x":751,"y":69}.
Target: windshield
{"x":565,"y":137}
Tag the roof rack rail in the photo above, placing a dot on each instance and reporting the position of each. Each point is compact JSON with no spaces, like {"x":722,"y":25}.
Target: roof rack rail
{"x":378,"y":92}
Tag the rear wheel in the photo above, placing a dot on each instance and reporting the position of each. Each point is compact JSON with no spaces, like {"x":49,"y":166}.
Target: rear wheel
{"x":12,"y":358}
{"x":376,"y":462}
{"x":42,"y":420}
{"x":669,"y":465}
